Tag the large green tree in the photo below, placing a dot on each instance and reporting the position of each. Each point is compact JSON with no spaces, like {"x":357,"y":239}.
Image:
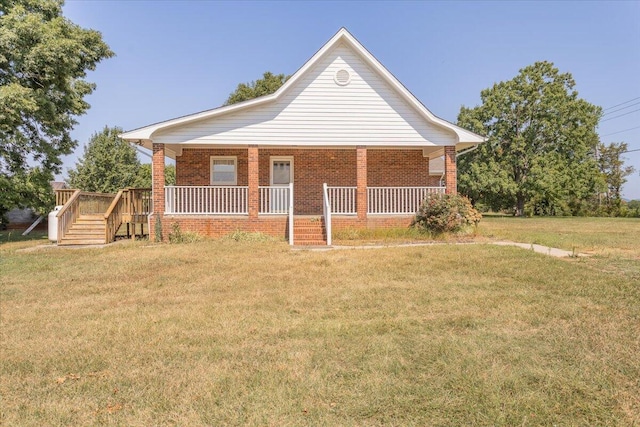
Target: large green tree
{"x":109,"y":164}
{"x":44,"y":59}
{"x":541,"y":144}
{"x":268,"y":84}
{"x":614,"y":173}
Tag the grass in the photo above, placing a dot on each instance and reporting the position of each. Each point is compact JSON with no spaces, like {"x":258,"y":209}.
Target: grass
{"x":7,"y":236}
{"x":591,"y":235}
{"x":252,"y":333}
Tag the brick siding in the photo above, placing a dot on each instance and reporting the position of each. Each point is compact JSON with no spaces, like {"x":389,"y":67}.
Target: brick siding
{"x":219,"y":226}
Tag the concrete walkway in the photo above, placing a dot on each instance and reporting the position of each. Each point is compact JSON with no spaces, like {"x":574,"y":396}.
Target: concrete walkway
{"x":545,"y":250}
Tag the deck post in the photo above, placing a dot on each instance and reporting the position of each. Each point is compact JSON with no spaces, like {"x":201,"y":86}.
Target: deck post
{"x":157,"y":185}
{"x":254,"y":192}
{"x":361,"y":180}
{"x":450,"y":170}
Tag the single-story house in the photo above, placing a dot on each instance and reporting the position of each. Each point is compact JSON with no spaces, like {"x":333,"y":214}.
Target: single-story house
{"x":341,"y":144}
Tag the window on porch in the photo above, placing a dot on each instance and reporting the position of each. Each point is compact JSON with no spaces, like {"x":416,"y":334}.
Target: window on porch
{"x":224,"y":170}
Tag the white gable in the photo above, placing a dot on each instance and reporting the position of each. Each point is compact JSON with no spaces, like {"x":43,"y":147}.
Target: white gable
{"x":315,"y":108}
{"x":318,"y":110}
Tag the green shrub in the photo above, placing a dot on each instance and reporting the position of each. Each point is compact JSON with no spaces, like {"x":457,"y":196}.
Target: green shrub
{"x":178,"y":236}
{"x":446,"y":213}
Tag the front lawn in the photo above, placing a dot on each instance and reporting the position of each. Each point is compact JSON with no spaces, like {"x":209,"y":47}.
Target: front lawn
{"x":233,"y":333}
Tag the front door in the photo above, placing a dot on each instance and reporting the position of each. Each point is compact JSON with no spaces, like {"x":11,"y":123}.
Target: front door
{"x":281,"y":175}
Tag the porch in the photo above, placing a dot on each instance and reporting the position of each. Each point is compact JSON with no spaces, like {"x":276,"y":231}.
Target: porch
{"x":222,"y":189}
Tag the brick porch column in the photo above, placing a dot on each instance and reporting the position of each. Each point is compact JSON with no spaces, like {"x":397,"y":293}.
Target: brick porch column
{"x":254,"y":193}
{"x":157,"y":179}
{"x":361,"y":182}
{"x":450,"y":170}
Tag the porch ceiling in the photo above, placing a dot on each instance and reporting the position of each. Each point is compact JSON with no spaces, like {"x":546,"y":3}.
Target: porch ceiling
{"x":175,"y":150}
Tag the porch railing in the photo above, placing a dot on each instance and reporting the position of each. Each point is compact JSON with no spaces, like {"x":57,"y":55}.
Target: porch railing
{"x":208,"y":200}
{"x":326,"y":210}
{"x":398,"y":200}
{"x":274,"y":200}
{"x":342,"y":200}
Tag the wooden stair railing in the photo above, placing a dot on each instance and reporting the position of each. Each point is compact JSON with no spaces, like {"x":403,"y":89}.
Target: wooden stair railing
{"x":63,"y":195}
{"x":114,"y":215}
{"x":68,"y":214}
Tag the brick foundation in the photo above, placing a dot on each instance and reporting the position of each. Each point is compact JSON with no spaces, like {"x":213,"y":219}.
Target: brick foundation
{"x":275,"y":226}
{"x":219,"y":226}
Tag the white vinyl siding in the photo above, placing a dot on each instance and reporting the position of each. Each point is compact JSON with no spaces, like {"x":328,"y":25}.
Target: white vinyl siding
{"x":224,"y":170}
{"x":317,"y":111}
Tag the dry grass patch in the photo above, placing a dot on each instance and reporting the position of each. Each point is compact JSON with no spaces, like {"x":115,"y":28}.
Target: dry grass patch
{"x":235,"y":333}
{"x":619,"y":236}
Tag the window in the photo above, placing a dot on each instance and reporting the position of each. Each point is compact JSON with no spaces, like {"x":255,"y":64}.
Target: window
{"x":224,"y":170}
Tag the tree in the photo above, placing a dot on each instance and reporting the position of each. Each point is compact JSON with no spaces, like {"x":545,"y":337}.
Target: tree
{"x":109,"y":164}
{"x":144,"y":179}
{"x":268,"y":84}
{"x":540,"y":148}
{"x":614,"y":173}
{"x":43,"y":62}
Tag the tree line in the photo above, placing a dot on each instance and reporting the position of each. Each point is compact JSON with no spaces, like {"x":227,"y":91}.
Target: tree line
{"x":543,"y":155}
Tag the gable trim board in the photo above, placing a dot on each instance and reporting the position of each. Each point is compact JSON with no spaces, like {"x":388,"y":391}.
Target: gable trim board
{"x":319,"y":106}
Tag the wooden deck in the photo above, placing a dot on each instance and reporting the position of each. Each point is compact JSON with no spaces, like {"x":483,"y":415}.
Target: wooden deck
{"x":98,"y":218}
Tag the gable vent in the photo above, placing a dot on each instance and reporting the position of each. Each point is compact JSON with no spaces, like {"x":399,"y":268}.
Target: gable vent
{"x":342,"y":77}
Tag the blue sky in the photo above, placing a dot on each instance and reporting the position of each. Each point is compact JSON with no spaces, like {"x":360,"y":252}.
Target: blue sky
{"x":179,"y":57}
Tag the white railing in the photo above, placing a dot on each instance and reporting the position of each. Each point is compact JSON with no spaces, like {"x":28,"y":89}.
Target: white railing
{"x":291,"y":213}
{"x":342,"y":200}
{"x":207,"y":200}
{"x":326,"y":210}
{"x":274,"y":200}
{"x":398,"y":200}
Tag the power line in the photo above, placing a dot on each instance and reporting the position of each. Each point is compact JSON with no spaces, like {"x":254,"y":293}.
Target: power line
{"x":620,"y":131}
{"x":620,"y":109}
{"x":630,"y":151}
{"x":622,"y":103}
{"x":615,"y":117}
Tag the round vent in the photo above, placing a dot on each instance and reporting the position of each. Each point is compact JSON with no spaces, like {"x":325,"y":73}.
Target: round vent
{"x":342,"y":77}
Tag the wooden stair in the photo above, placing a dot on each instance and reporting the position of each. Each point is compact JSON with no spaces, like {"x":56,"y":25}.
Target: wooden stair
{"x":86,"y":230}
{"x":309,"y":232}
